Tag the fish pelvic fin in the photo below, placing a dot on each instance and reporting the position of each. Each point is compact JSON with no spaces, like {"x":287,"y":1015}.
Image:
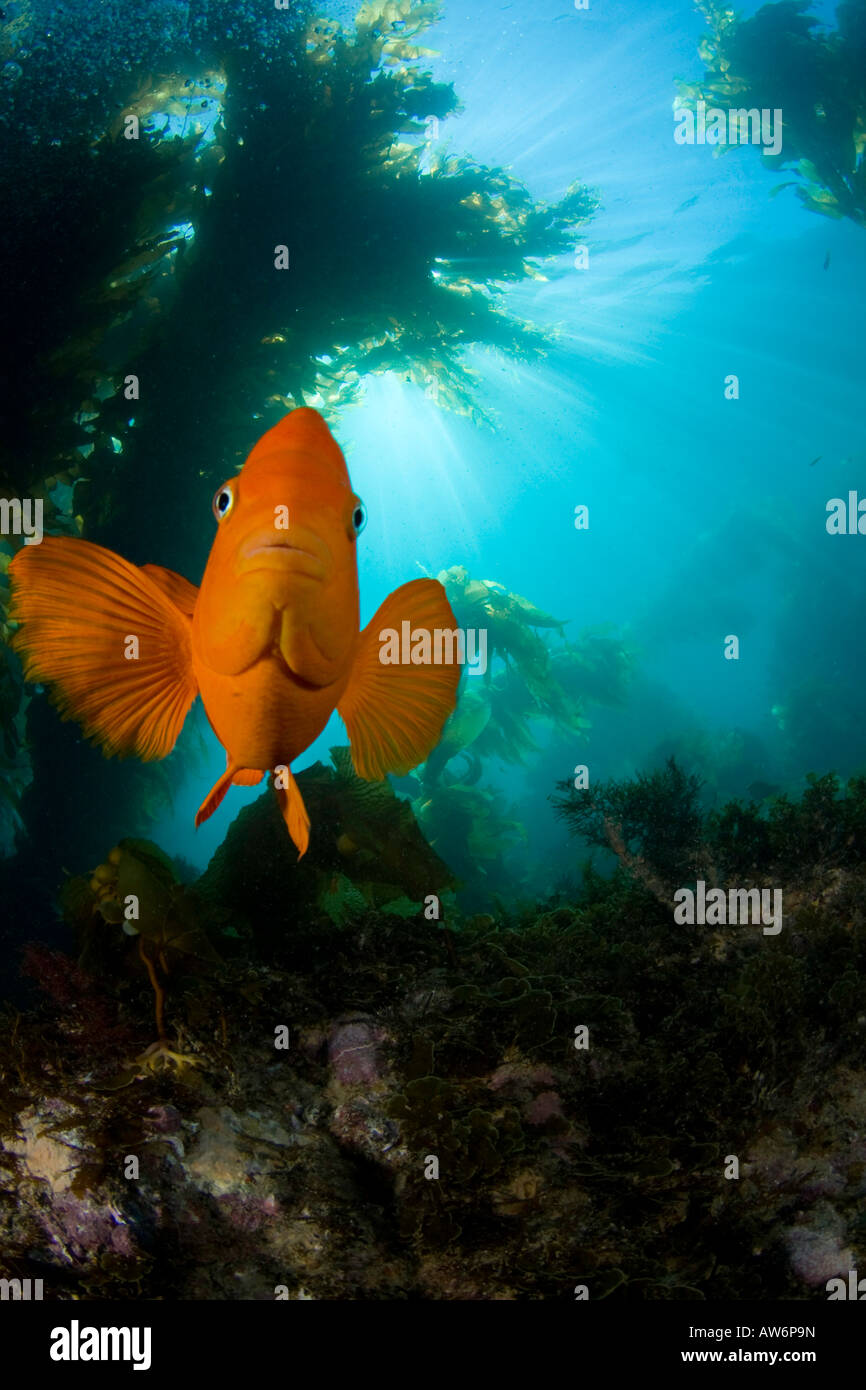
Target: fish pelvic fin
{"x":214,"y":796}
{"x":394,"y":713}
{"x":233,"y":776}
{"x":107,"y":640}
{"x":294,"y":813}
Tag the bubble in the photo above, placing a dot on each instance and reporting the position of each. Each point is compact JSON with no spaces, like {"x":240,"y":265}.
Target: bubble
{"x":11,"y":72}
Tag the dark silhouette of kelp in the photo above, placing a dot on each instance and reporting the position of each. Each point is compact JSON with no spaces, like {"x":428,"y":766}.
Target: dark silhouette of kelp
{"x":780,"y":59}
{"x":156,"y":255}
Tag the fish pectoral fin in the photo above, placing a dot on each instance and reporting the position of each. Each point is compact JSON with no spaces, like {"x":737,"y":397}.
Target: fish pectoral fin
{"x":109,"y":642}
{"x":247,"y":777}
{"x":215,"y":796}
{"x":394,"y":713}
{"x":179,"y":590}
{"x":294,"y":813}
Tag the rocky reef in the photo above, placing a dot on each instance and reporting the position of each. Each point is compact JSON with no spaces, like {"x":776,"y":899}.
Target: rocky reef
{"x":363,"y":1094}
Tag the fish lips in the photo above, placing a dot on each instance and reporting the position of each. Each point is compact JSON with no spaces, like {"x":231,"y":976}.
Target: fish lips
{"x":288,"y":552}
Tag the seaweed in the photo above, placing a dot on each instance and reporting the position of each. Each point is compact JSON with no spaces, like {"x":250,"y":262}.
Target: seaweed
{"x":304,"y":134}
{"x":651,"y":820}
{"x":781,"y":59}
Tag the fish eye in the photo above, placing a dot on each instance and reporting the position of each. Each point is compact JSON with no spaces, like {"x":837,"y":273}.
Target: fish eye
{"x":223,"y":501}
{"x":359,"y":518}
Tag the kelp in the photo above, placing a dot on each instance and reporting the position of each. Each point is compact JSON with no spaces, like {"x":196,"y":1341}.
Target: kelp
{"x":533,"y":672}
{"x":781,"y":59}
{"x":520,"y":684}
{"x":254,"y":133}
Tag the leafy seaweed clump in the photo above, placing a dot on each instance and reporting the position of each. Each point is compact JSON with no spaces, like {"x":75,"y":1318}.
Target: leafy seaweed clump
{"x":782,"y":59}
{"x":656,"y":826}
{"x":652,"y":819}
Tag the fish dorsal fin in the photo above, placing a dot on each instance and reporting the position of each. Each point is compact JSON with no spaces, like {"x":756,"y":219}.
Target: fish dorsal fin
{"x":394,"y":713}
{"x":182,"y":594}
{"x":108,"y":641}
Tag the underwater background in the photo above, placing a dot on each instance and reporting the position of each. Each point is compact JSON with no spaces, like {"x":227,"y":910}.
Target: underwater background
{"x":606,"y":386}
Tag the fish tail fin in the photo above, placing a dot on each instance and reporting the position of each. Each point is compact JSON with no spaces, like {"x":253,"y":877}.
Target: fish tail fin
{"x":294,"y":813}
{"x":108,"y":641}
{"x":394,"y":713}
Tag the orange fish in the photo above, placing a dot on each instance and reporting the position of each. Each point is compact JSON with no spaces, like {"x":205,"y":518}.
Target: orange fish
{"x":271,"y":640}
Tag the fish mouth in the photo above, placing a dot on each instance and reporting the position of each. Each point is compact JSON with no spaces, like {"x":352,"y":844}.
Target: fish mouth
{"x":300,"y":555}
{"x":277,"y":545}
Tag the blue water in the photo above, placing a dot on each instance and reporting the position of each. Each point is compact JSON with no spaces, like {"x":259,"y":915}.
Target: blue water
{"x":707,"y":516}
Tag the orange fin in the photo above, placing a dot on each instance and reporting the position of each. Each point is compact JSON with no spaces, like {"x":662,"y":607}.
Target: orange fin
{"x":214,"y":796}
{"x":247,"y":777}
{"x":295,"y":814}
{"x":182,"y":594}
{"x":232,"y":777}
{"x":395,"y":713}
{"x":80,"y":606}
